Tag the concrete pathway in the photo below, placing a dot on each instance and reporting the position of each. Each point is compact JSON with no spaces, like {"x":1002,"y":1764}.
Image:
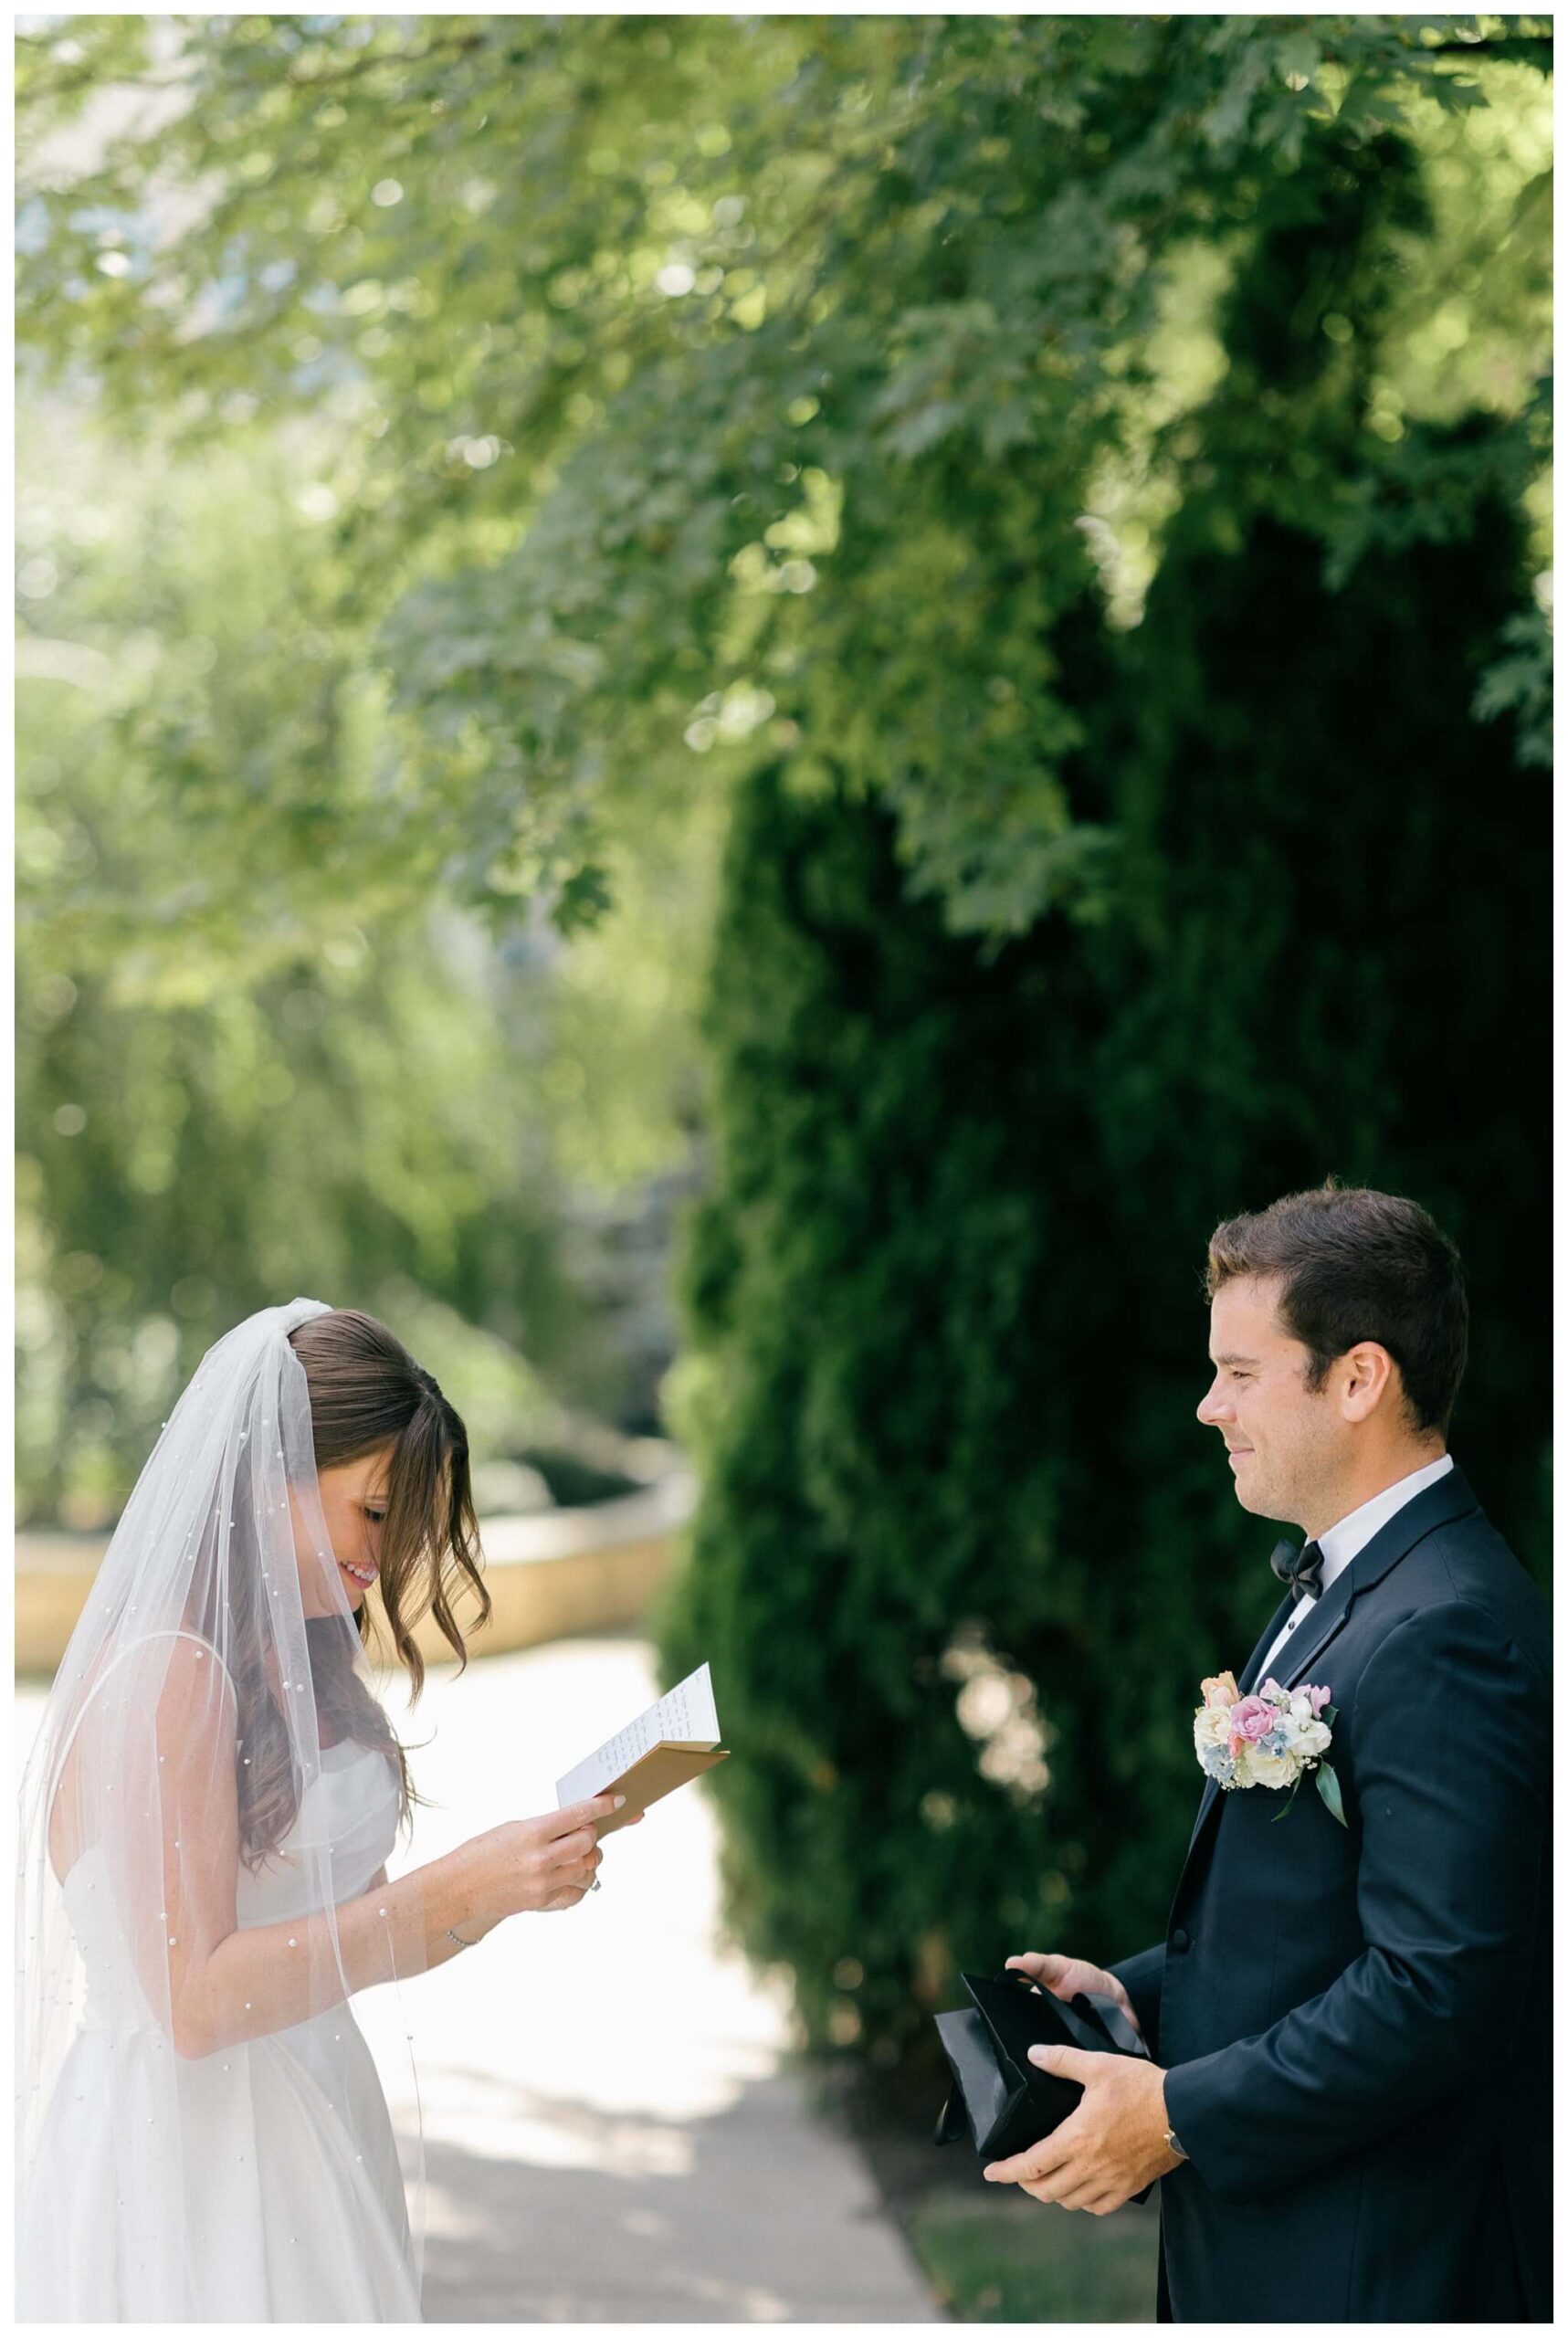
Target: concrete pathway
{"x":612,"y":2128}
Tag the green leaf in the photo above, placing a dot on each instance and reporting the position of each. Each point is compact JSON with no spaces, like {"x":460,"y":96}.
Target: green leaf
{"x":1328,"y":1787}
{"x":1288,"y":1800}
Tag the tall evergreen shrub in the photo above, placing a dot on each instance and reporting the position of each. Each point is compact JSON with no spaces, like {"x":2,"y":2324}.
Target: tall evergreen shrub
{"x":964,"y":1554}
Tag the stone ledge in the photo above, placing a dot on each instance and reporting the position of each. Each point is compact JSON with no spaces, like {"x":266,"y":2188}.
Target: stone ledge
{"x":550,"y":1573}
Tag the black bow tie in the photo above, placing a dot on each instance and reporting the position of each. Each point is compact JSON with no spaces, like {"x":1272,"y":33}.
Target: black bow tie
{"x":1301,"y":1569}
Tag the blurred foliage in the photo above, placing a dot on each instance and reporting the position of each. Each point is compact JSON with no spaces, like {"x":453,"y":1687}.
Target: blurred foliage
{"x":963,"y":1554}
{"x":709,"y":386}
{"x":326,"y":1087}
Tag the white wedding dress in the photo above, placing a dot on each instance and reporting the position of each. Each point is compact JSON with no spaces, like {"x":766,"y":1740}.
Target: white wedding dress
{"x":284,"y":2161}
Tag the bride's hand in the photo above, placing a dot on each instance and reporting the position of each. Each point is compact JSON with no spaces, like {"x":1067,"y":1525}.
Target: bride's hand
{"x":1064,"y":1976}
{"x":541,"y":1863}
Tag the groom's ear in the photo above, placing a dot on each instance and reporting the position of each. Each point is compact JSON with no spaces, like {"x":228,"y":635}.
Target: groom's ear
{"x":1368,"y":1378}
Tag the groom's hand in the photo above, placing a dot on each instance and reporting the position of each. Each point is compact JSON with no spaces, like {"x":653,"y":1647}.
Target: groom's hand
{"x":1065,"y":1976}
{"x":1111,"y":2146}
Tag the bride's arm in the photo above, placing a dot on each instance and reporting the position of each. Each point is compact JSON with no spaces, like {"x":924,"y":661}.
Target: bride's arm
{"x":267,"y":1978}
{"x":224,"y":1984}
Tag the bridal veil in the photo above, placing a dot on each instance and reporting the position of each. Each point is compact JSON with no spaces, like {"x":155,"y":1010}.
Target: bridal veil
{"x":178,"y":1799}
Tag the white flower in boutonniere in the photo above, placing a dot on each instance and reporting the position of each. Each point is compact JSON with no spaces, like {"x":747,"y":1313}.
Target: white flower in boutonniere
{"x":1271,"y":1738}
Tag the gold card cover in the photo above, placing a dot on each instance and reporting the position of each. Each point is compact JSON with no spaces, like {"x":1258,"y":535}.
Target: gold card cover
{"x":660,"y":1771}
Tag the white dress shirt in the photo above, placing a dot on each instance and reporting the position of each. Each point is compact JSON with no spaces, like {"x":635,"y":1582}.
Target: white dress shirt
{"x":1340,"y":1543}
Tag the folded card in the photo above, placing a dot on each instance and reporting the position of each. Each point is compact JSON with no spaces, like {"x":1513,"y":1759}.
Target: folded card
{"x":672,"y":1742}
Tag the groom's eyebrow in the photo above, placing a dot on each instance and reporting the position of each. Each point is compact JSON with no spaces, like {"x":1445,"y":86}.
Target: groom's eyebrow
{"x":1233,"y":1359}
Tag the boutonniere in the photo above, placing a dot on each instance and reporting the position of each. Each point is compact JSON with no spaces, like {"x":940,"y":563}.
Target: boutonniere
{"x":1271,"y":1738}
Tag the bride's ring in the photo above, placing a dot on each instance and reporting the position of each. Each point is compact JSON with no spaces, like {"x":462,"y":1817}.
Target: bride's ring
{"x":595,"y":1885}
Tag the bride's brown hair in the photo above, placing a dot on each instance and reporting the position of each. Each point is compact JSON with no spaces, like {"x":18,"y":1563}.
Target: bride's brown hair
{"x":366,"y":1393}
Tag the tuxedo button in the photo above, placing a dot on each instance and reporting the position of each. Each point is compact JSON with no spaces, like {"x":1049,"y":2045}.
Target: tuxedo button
{"x":1180,"y":1941}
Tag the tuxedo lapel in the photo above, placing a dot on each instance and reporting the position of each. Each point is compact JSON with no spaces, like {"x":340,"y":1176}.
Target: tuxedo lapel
{"x":1317,"y":1631}
{"x":1248,"y":1680}
{"x":1210,"y":1797}
{"x":1437,"y":1505}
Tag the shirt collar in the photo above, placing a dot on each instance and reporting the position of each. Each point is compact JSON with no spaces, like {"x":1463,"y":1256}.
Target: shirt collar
{"x":1340,"y":1543}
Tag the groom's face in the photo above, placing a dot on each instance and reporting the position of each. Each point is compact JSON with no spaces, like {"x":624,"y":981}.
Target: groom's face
{"x":1283,"y":1443}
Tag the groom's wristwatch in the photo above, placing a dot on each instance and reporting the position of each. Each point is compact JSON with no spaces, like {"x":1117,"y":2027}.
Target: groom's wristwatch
{"x":1172,"y":2144}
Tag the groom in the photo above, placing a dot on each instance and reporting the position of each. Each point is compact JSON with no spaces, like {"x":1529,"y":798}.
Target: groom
{"x":1349,"y":2096}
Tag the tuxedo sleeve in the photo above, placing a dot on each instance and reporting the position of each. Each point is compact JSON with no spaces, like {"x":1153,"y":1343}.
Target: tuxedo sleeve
{"x":1141,"y":1976}
{"x":1447,"y":1779}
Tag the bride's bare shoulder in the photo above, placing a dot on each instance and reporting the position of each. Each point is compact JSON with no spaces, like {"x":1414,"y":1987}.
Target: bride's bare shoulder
{"x":176,"y":1677}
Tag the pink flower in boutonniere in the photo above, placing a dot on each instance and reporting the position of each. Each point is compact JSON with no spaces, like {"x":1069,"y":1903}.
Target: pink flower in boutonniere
{"x":1250,"y":1721}
{"x":1272,"y":1737}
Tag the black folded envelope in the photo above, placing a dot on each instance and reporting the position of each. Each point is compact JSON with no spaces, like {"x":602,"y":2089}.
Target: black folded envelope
{"x":998,"y":2096}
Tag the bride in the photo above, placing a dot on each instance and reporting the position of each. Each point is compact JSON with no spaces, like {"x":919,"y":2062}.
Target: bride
{"x":205,"y":1821}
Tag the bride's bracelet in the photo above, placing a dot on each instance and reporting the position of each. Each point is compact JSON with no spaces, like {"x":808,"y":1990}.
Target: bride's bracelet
{"x":460,"y":1941}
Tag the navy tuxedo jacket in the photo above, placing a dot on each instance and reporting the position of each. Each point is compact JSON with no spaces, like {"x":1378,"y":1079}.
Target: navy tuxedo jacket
{"x":1356,"y":2020}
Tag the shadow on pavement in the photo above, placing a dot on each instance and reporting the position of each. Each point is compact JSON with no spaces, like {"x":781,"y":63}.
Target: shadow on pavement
{"x":547,"y":2210}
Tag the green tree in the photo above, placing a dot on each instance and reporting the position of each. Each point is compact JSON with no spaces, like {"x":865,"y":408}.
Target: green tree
{"x":706,"y":388}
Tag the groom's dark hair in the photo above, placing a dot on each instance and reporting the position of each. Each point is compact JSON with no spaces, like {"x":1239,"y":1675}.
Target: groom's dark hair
{"x":1358,"y":1265}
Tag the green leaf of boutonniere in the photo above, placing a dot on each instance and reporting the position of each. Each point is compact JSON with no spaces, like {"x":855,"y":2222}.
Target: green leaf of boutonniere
{"x":1328,"y":1787}
{"x":1284,"y":1811}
